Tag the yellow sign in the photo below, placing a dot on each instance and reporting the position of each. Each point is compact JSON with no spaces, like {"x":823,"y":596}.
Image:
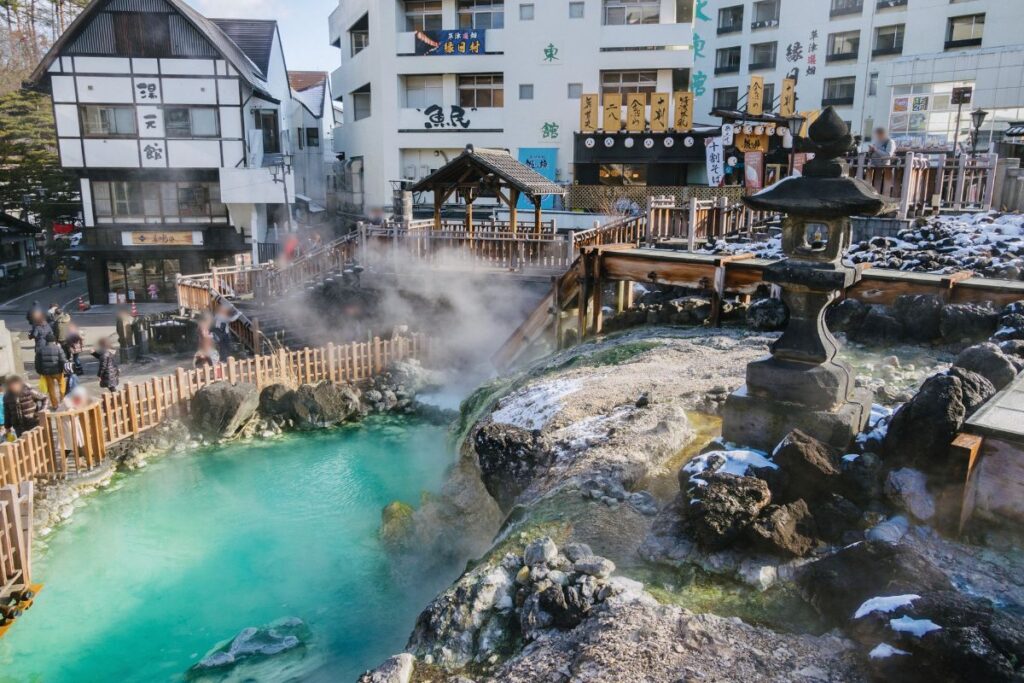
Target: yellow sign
{"x":787,"y":102}
{"x":161,"y":239}
{"x":588,"y":113}
{"x":612,"y":118}
{"x":636,"y":112}
{"x":751,"y":143}
{"x":755,"y":96}
{"x":659,"y":112}
{"x":684,"y":111}
{"x":809,"y":118}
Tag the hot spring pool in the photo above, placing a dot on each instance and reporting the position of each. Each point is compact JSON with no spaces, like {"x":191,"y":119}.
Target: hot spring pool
{"x":196,"y":547}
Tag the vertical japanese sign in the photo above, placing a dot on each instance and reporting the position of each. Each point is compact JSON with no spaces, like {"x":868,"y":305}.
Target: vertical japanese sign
{"x":588,"y":113}
{"x":787,"y":103}
{"x":755,"y":96}
{"x":809,"y":118}
{"x":636,"y":112}
{"x":715,"y":157}
{"x":611,"y":120}
{"x":543,"y":160}
{"x":753,"y":171}
{"x":659,"y":112}
{"x":684,"y":111}
{"x":698,"y":78}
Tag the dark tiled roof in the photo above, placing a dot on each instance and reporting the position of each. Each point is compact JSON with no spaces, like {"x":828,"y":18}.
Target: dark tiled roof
{"x":490,"y":161}
{"x":255,"y":37}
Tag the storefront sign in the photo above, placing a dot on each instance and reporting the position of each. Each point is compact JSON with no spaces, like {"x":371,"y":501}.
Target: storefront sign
{"x":451,"y":43}
{"x":435,"y":117}
{"x":751,"y":143}
{"x":611,"y":121}
{"x":787,"y":103}
{"x":753,"y":167}
{"x":543,"y":160}
{"x":684,"y":111}
{"x":162,"y":239}
{"x":659,"y":112}
{"x":715,"y":157}
{"x":755,"y":96}
{"x":636,"y":112}
{"x":588,"y":113}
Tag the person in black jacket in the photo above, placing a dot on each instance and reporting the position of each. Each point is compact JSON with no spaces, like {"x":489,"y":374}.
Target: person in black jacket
{"x":40,"y":329}
{"x":22,"y":404}
{"x":50,"y":360}
{"x":109,"y":372}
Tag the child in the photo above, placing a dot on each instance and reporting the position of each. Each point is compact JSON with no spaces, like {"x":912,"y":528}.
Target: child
{"x":22,"y":404}
{"x":109,"y":372}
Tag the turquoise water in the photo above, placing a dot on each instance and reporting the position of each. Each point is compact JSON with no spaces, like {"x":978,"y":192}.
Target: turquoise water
{"x":188,"y":552}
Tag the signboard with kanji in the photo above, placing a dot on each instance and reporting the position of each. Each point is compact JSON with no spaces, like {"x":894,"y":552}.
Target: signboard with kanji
{"x":588,"y":113}
{"x":636,"y":112}
{"x":715,"y":157}
{"x":611,"y":120}
{"x":162,"y":239}
{"x":787,"y":102}
{"x":451,"y":43}
{"x":751,"y":143}
{"x":962,"y":95}
{"x":684,"y":111}
{"x":755,"y":96}
{"x":659,"y":112}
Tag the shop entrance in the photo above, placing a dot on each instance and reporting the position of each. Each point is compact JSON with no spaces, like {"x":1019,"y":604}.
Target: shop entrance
{"x":152,"y":280}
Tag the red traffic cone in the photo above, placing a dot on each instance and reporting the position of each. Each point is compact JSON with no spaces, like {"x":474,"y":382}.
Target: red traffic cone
{"x":82,"y":306}
{"x":135,"y":310}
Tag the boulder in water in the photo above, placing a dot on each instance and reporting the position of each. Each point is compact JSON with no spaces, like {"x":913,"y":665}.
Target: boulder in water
{"x":976,"y":389}
{"x":396,"y":523}
{"x":922,"y":429}
{"x":989,"y":361}
{"x":397,"y":669}
{"x":811,"y":467}
{"x":276,"y":401}
{"x":846,"y":315}
{"x":724,"y":507}
{"x":316,"y":406}
{"x":967,"y":323}
{"x":252,"y":644}
{"x":510,"y":458}
{"x":768,"y":315}
{"x":920,"y":315}
{"x":221,"y":409}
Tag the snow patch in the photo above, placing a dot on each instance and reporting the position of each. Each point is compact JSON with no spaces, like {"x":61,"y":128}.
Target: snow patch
{"x":737,"y":462}
{"x":850,"y":457}
{"x":883,"y":650}
{"x":916,"y":627}
{"x":884,"y":604}
{"x":533,"y":407}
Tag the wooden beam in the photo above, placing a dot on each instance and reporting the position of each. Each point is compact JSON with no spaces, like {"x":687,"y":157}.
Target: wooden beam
{"x":597,"y":293}
{"x":537,"y":213}
{"x":513,"y":209}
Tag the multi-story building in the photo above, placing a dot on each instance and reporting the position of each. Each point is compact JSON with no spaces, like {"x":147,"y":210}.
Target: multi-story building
{"x":421,"y":79}
{"x":180,"y":129}
{"x":888,"y":63}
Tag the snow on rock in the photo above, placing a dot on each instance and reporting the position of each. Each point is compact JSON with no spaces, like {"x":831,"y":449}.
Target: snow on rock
{"x":883,"y":650}
{"x":533,"y":407}
{"x":737,"y":462}
{"x":884,"y":604}
{"x":916,"y":627}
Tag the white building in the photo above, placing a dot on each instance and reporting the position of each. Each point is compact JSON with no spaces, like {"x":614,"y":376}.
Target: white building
{"x":888,"y":63}
{"x":180,"y":128}
{"x":421,"y":79}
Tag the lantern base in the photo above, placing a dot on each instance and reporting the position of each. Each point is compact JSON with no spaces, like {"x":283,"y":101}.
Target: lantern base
{"x":761,"y":423}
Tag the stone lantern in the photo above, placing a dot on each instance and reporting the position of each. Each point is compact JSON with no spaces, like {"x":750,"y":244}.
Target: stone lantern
{"x":802,"y":385}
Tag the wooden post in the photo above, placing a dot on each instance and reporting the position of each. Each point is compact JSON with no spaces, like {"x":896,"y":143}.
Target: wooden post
{"x":469,"y":214}
{"x":332,"y":363}
{"x":584,"y":296}
{"x":649,"y":228}
{"x":597,"y":294}
{"x":691,"y":231}
{"x":513,"y":210}
{"x":133,"y":408}
{"x":378,"y":363}
{"x":556,"y":302}
{"x":537,"y":215}
{"x":908,"y":179}
{"x":718,"y":295}
{"x":961,"y":179}
{"x":437,"y":208}
{"x":990,"y":183}
{"x":232,"y":370}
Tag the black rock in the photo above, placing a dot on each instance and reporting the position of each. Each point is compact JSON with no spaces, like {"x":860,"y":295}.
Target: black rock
{"x":846,"y":315}
{"x":861,"y":478}
{"x":990,"y":362}
{"x":919,"y":314}
{"x":922,"y":429}
{"x":787,"y":530}
{"x":836,"y":519}
{"x":316,"y":406}
{"x":221,"y":409}
{"x":967,"y":323}
{"x":724,"y":507}
{"x":1010,"y":327}
{"x":565,"y":604}
{"x":509,"y":459}
{"x":768,"y":315}
{"x":976,"y":389}
{"x":276,"y":401}
{"x":811,"y":467}
{"x":878,"y":327}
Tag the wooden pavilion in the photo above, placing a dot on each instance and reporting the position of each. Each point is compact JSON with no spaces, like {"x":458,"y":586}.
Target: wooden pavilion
{"x":479,"y":172}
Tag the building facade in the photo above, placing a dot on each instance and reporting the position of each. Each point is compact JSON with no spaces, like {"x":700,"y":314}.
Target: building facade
{"x":421,"y":79}
{"x":881,"y":63}
{"x":181,"y":130}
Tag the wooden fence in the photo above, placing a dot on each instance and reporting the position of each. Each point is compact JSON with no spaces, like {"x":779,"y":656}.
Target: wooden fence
{"x":15,"y":543}
{"x":77,"y":441}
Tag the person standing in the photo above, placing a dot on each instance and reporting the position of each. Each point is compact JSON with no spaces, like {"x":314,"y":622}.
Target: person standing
{"x":22,"y":404}
{"x":50,"y":360}
{"x":62,"y":274}
{"x":882,"y":147}
{"x":73,"y":345}
{"x":40,"y":329}
{"x":221,"y":330}
{"x":109,"y":372}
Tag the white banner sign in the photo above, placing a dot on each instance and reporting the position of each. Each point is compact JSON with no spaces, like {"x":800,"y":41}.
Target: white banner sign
{"x":715,"y":151}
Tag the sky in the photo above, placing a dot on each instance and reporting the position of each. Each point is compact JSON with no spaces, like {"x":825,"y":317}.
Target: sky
{"x":303,"y":26}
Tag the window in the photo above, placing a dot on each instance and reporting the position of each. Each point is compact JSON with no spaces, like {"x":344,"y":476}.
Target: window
{"x":576,"y":10}
{"x":107,"y":122}
{"x":873,"y":84}
{"x":730,"y":19}
{"x":839,"y":91}
{"x":889,"y":40}
{"x":727,"y":98}
{"x":424,"y":91}
{"x":359,"y":35}
{"x":622,"y":174}
{"x":120,"y":201}
{"x":727,"y":60}
{"x":481,"y":90}
{"x":844,"y":7}
{"x":526,"y":12}
{"x":762,"y":55}
{"x":769,"y":97}
{"x":888,"y":4}
{"x":362,"y":102}
{"x":142,"y":34}
{"x":312,"y":137}
{"x":526,"y":91}
{"x":766,"y":14}
{"x":622,"y":12}
{"x":843,"y":46}
{"x":965,"y":31}
{"x":268,"y":122}
{"x":575,"y":91}
{"x":482,"y":14}
{"x":423,"y":15}
{"x":191,"y":122}
{"x":625,"y":82}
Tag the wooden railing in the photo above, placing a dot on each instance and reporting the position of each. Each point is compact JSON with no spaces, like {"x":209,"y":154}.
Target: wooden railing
{"x":77,"y":441}
{"x":15,"y":541}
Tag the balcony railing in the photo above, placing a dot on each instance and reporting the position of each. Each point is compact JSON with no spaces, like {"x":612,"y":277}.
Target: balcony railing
{"x":730,"y":28}
{"x":727,"y":69}
{"x":762,"y":66}
{"x":842,"y":56}
{"x":887,"y":51}
{"x":889,"y":4}
{"x":842,"y":101}
{"x":764,"y":23}
{"x":846,"y":9}
{"x":966,"y":42}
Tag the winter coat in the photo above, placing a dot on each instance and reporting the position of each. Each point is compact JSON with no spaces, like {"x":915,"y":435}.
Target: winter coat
{"x":73,"y":344}
{"x":60,"y":327}
{"x":50,"y":360}
{"x":39,"y":333}
{"x":109,"y":373}
{"x":21,"y":411}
